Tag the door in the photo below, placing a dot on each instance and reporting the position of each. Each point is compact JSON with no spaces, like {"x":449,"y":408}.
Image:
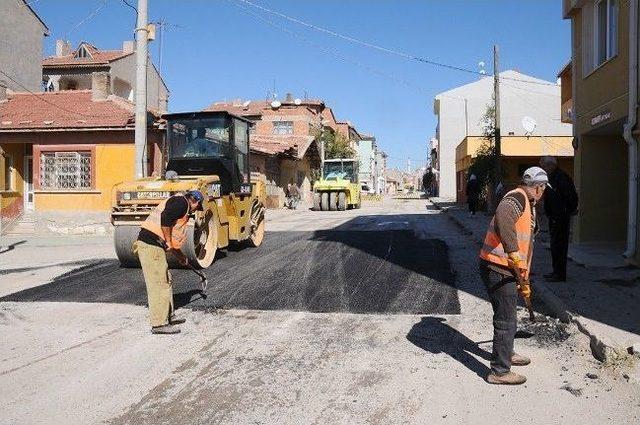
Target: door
{"x":28,"y":183}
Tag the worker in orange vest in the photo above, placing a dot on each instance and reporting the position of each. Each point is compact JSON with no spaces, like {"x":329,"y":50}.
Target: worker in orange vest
{"x":164,"y":231}
{"x":508,"y":246}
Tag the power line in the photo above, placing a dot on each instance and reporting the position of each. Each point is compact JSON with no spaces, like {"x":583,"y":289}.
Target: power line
{"x":87,"y":19}
{"x":130,"y":5}
{"x":333,"y":52}
{"x":381,"y":48}
{"x":42,"y":99}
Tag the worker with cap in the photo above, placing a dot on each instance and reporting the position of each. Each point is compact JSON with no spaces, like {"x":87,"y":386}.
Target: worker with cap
{"x":163,"y":233}
{"x":508,"y":249}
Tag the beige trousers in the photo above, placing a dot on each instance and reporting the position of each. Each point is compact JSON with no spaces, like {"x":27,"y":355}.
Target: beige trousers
{"x":155,"y":269}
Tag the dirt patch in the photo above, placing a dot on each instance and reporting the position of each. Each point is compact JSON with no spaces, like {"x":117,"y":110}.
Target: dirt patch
{"x":546,"y":331}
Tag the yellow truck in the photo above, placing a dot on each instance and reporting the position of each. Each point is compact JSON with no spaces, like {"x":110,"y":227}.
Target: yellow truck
{"x":205,"y":151}
{"x":339,"y":189}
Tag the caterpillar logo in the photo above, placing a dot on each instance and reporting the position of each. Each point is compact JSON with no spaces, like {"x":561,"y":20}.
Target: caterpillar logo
{"x":214,"y":190}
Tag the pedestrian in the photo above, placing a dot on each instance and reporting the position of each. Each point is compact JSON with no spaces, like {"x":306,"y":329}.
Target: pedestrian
{"x":162,"y":233}
{"x":507,"y":248}
{"x":473,"y":193}
{"x":560,"y":203}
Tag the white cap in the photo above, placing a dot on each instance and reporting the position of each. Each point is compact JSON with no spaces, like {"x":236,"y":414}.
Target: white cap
{"x":534,"y":176}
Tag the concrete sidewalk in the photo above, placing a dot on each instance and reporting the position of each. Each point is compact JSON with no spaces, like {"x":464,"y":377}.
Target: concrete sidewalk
{"x":599,"y":297}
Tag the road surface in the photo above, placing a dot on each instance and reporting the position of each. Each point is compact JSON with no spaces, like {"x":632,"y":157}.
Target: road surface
{"x":366,"y":316}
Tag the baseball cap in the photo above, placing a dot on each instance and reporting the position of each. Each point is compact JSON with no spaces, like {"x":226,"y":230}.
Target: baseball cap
{"x":198,"y":196}
{"x":535,"y":175}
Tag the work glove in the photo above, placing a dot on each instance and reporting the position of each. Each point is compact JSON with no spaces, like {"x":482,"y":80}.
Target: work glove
{"x":525,"y":289}
{"x":515,"y":264}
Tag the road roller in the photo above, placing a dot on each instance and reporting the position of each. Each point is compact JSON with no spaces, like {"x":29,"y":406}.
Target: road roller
{"x":205,"y":151}
{"x":339,"y":189}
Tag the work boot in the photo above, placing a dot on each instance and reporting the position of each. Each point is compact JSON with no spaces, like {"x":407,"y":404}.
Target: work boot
{"x":165,"y":330}
{"x":518,"y":360}
{"x":508,"y":378}
{"x":175,"y":320}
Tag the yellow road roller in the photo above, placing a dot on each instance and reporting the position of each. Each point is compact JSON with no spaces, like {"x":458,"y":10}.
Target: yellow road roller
{"x":205,"y":151}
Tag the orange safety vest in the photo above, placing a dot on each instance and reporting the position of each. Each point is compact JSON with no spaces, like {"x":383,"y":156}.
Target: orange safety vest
{"x":154,"y":225}
{"x":492,"y":249}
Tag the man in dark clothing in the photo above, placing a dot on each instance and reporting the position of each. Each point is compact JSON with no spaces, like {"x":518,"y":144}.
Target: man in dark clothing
{"x":560,"y":203}
{"x":473,"y":194}
{"x":164,"y":231}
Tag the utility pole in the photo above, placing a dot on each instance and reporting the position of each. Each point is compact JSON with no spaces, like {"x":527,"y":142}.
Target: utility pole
{"x":496,"y":94}
{"x":142,"y":32}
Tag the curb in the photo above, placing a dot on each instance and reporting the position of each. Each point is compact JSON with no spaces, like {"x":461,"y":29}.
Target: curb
{"x":600,"y":349}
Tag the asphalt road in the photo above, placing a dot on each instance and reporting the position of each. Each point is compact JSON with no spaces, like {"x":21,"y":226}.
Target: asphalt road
{"x":342,"y":270}
{"x":286,"y":346}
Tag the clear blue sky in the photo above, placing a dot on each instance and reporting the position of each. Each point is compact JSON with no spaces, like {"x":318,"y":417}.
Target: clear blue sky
{"x":220,"y":52}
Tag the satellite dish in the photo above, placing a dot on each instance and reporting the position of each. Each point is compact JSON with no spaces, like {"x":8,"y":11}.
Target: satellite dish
{"x":298,"y":102}
{"x":245,"y":104}
{"x":529,"y":125}
{"x":276,"y":104}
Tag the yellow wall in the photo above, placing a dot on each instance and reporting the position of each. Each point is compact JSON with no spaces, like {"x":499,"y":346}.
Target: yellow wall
{"x":605,"y":88}
{"x":516,"y":146}
{"x":114,"y":164}
{"x":602,"y":185}
{"x":11,"y":200}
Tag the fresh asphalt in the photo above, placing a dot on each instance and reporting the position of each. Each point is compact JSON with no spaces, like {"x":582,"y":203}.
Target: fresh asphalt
{"x":342,"y":270}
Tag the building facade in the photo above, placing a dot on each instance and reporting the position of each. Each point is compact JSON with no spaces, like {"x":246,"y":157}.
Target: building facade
{"x":461,"y":113}
{"x":368,"y":170}
{"x":284,"y":141}
{"x":602,"y":85}
{"x":518,"y":154}
{"x":64,"y":151}
{"x":22,"y":33}
{"x":71,"y":69}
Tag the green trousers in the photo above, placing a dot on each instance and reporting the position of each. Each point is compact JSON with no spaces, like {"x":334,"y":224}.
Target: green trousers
{"x":155,"y":269}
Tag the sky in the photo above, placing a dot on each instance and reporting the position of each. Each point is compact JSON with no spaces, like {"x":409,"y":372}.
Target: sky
{"x":227,"y":49}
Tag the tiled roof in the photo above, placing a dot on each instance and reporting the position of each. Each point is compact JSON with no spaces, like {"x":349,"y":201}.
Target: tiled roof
{"x":98,"y":57}
{"x":64,"y":110}
{"x":281,"y":144}
{"x":255,"y":107}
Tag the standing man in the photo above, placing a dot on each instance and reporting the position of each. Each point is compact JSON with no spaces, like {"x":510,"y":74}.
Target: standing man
{"x":164,"y":231}
{"x":560,"y":203}
{"x":473,"y":194}
{"x":508,"y":249}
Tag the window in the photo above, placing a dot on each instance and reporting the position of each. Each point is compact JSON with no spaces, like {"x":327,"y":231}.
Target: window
{"x":65,"y":171}
{"x":605,"y":31}
{"x":82,"y":53}
{"x":283,"y":127}
{"x":8,"y":173}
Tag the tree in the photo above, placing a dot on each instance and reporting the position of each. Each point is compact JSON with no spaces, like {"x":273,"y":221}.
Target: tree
{"x":335,"y":144}
{"x":483,"y":163}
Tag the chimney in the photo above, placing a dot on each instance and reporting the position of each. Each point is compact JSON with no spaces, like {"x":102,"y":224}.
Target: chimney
{"x":63,"y":48}
{"x":289,"y":98}
{"x":128,"y":46}
{"x":3,"y":90}
{"x":100,"y":85}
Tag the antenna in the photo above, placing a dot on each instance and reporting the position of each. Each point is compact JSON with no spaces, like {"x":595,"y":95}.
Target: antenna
{"x":481,"y":65}
{"x":529,"y":125}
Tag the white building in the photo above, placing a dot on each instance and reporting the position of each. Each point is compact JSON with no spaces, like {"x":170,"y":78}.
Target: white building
{"x":460,"y":112}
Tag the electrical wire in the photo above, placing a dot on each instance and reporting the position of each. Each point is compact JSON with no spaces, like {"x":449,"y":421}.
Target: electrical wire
{"x":87,"y":19}
{"x":130,"y":5}
{"x":333,"y":52}
{"x":382,"y":48}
